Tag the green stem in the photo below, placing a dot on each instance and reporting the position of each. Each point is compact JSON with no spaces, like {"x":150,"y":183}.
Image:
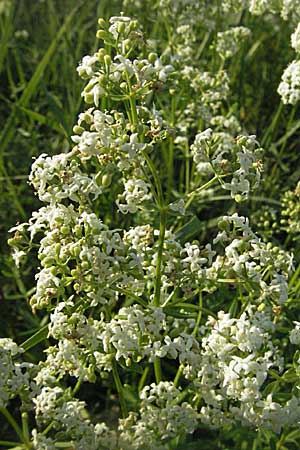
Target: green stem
{"x":171,"y":151}
{"x":77,"y":386}
{"x":9,"y":444}
{"x":143,"y":378}
{"x":133,"y":116}
{"x":156,"y":180}
{"x":191,"y":195}
{"x":119,"y":388}
{"x":15,"y":426}
{"x":178,"y":374}
{"x":158,"y":272}
{"x":199,"y":317}
{"x":157,"y":370}
{"x":133,"y":109}
{"x":25,"y":428}
{"x":48,"y":428}
{"x":194,"y":333}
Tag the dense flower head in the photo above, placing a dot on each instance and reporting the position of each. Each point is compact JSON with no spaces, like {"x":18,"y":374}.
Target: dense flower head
{"x":289,"y":88}
{"x":230,"y":41}
{"x":224,"y":154}
{"x":14,"y":374}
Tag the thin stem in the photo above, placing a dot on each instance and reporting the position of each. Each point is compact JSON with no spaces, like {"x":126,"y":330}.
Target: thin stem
{"x":48,"y":428}
{"x":9,"y":443}
{"x":15,"y":426}
{"x":156,"y":180}
{"x":178,"y":374}
{"x":133,"y":116}
{"x":25,"y":428}
{"x":191,"y":195}
{"x":77,"y":386}
{"x":133,"y":109}
{"x":194,"y":333}
{"x":199,"y":317}
{"x":158,"y":272}
{"x":158,"y":275}
{"x":171,"y":151}
{"x":143,"y":378}
{"x":119,"y":388}
{"x":157,"y":370}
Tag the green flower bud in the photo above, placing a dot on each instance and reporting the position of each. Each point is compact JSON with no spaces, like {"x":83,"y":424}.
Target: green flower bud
{"x":88,"y":98}
{"x":75,"y":273}
{"x":106,"y":180}
{"x":77,"y":287}
{"x":223,"y":225}
{"x":152,"y":57}
{"x":64,"y":229}
{"x":57,"y":248}
{"x":102,"y":23}
{"x":107,"y":60}
{"x":121,"y":27}
{"x":133,"y":25}
{"x":101,"y":34}
{"x":78,"y":130}
{"x":101,"y":53}
{"x":238,"y":198}
{"x":261,"y":307}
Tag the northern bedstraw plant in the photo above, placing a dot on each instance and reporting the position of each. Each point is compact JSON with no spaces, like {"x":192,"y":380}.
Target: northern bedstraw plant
{"x":186,"y":334}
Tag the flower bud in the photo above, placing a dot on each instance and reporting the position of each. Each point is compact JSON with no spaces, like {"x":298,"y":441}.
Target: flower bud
{"x":106,"y":180}
{"x":77,"y":129}
{"x":102,"y":23}
{"x":238,"y":198}
{"x":152,"y":57}
{"x":121,"y":27}
{"x":101,"y":34}
{"x":223,"y":225}
{"x":107,"y":60}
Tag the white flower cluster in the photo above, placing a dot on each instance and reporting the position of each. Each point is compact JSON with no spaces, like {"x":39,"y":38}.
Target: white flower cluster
{"x":224,"y":154}
{"x":289,"y":88}
{"x":60,"y":177}
{"x":14,"y":375}
{"x":295,"y":39}
{"x":259,"y":7}
{"x":251,"y":259}
{"x":135,"y":334}
{"x":136,"y":192}
{"x":229,"y":42}
{"x":290,"y":10}
{"x":161,"y":419}
{"x":237,"y":355}
{"x":121,"y":72}
{"x":81,"y":251}
{"x":68,"y":415}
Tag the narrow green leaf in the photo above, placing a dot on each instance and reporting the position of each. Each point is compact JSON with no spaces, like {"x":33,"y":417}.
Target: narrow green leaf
{"x":59,"y":115}
{"x":189,"y":230}
{"x":40,"y":118}
{"x":34,"y":340}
